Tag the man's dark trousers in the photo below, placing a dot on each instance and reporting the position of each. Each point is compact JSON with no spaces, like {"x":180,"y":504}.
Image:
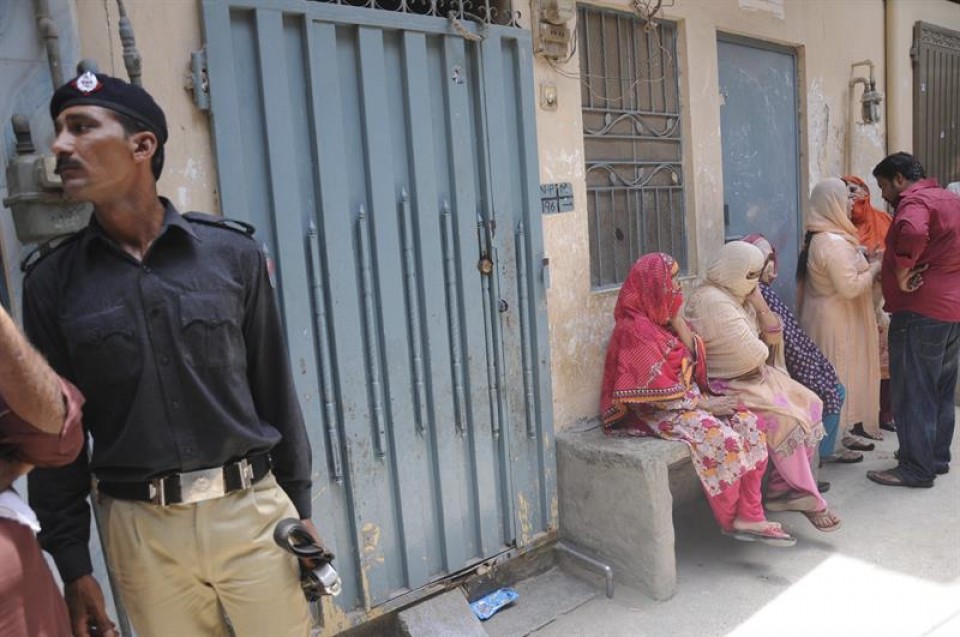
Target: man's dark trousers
{"x":924,"y":357}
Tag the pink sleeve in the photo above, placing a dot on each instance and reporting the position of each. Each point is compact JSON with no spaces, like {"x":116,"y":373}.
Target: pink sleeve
{"x":40,"y":448}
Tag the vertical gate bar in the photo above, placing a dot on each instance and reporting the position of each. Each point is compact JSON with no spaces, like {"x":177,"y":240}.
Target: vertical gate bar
{"x":492,"y":381}
{"x":642,"y":215}
{"x":605,"y":99}
{"x":673,"y":226}
{"x":585,"y":16}
{"x":525,"y":345}
{"x":648,"y":41}
{"x":598,"y":235}
{"x":659,"y":215}
{"x":453,"y":317}
{"x":622,"y":83}
{"x":635,"y":70}
{"x":544,"y":474}
{"x":425,"y":96}
{"x":631,"y":237}
{"x":492,"y":103}
{"x":470,"y":136}
{"x":218,"y":35}
{"x":373,"y":343}
{"x":614,"y":242}
{"x":413,"y":309}
{"x":339,"y":257}
{"x":326,"y":362}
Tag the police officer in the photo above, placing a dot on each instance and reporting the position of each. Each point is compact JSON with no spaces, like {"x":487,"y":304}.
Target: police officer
{"x":169,"y":326}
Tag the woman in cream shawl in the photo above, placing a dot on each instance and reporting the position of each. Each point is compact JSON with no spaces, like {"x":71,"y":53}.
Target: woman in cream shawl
{"x":739,"y":329}
{"x":837,"y":308}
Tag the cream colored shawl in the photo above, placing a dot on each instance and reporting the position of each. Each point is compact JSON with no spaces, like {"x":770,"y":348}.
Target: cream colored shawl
{"x":830,"y":210}
{"x":718,"y":311}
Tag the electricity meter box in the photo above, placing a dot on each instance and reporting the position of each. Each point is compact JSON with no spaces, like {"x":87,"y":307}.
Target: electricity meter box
{"x":35,"y":193}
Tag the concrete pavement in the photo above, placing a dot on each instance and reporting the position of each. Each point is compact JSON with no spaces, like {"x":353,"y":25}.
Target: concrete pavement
{"x":893,"y":569}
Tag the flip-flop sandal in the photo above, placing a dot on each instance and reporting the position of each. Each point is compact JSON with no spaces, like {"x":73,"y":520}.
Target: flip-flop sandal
{"x":771,"y":536}
{"x":847,"y":456}
{"x":823,"y":521}
{"x":802,"y":504}
{"x":858,"y":445}
{"x":858,"y":430}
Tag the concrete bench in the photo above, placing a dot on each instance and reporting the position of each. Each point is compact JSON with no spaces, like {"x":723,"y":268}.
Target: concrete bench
{"x":617,"y":497}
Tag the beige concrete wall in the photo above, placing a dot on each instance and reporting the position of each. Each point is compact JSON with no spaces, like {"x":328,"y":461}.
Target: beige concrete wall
{"x":829,"y":35}
{"x":166,"y":32}
{"x":901,"y":16}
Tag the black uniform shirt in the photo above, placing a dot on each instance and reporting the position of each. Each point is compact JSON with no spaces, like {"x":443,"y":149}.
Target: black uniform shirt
{"x":181,"y":359}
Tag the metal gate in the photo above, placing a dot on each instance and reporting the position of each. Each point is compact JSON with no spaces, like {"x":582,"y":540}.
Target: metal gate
{"x":389,"y":164}
{"x":759,"y":129}
{"x":936,"y":100}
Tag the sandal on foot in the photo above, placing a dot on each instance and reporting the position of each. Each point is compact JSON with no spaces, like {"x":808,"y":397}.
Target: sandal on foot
{"x":823,"y":521}
{"x":889,"y":426}
{"x":801,"y":503}
{"x":771,"y":535}
{"x":846,"y":456}
{"x":895,"y":478}
{"x":858,"y":430}
{"x":856,"y":444}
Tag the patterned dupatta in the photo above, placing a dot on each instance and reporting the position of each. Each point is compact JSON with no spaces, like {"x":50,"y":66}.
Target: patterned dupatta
{"x":647,"y":362}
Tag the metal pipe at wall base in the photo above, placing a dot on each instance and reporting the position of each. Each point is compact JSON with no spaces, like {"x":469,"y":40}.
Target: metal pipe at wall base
{"x":51,"y":37}
{"x":591,"y":562}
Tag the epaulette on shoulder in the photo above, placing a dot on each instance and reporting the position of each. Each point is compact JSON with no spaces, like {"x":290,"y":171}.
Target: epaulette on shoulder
{"x":45,"y":249}
{"x":241,"y":227}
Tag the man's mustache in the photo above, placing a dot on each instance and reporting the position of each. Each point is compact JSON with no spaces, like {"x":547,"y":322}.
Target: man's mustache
{"x":65,"y":163}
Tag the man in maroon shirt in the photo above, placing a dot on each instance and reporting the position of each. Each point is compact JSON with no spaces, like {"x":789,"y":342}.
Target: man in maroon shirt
{"x":39,"y":425}
{"x":921,"y":287}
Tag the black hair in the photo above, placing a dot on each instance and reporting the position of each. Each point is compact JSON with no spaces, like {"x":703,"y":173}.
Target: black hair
{"x":132,"y":126}
{"x":802,"y":257}
{"x":900,"y":164}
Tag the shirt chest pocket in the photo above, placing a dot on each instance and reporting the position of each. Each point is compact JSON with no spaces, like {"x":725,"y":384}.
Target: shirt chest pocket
{"x":210,"y":327}
{"x":103,"y":347}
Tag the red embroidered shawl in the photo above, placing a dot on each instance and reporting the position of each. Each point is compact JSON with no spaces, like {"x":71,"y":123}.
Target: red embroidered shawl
{"x":647,"y":362}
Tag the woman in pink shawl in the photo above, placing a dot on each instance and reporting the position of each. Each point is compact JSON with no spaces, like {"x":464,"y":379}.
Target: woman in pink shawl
{"x":654,"y":384}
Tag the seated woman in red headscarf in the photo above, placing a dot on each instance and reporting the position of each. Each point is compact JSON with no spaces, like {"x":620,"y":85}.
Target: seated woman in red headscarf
{"x":654,"y":384}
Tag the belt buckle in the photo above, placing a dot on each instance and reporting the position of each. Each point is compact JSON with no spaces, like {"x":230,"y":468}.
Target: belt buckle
{"x":157,"y":492}
{"x":205,"y":484}
{"x":246,"y":473}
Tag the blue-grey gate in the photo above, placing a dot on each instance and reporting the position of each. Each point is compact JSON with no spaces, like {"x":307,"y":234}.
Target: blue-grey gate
{"x":388,"y":161}
{"x":759,"y":127}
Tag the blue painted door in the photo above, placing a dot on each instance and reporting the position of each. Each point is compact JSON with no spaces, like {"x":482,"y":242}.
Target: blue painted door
{"x":389,"y":165}
{"x":759,"y":132}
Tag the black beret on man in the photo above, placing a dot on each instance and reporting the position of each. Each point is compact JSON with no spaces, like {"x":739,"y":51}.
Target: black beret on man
{"x":133,"y":102}
{"x":112,"y":93}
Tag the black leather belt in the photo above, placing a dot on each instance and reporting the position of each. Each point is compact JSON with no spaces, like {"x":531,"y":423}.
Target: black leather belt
{"x":193,"y":486}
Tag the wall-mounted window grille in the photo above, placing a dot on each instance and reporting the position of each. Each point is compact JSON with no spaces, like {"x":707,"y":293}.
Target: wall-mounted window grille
{"x":632,"y":139}
{"x":498,"y":12}
{"x":936,"y":100}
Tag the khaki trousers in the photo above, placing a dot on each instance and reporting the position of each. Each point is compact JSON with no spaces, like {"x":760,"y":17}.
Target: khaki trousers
{"x":181,"y":568}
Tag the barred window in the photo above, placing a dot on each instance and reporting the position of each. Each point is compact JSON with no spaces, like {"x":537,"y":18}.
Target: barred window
{"x":632,"y":140}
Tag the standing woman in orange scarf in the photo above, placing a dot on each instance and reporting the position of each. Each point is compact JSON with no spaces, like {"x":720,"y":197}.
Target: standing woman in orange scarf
{"x":872,"y":226}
